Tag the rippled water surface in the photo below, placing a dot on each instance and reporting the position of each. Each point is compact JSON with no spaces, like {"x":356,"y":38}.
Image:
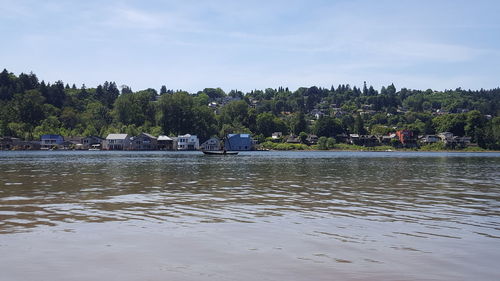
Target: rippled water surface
{"x":255,"y":216}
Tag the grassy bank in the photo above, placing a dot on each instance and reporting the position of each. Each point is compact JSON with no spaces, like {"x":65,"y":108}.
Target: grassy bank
{"x":351,"y":147}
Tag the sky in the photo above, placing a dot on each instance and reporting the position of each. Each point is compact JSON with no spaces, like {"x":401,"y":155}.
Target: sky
{"x":246,"y":45}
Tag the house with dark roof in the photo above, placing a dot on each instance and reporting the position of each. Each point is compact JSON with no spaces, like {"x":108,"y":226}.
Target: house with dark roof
{"x":143,"y":141}
{"x":238,"y":142}
{"x":8,"y":143}
{"x":51,"y":141}
{"x":312,"y":139}
{"x":92,"y":142}
{"x":292,"y":138}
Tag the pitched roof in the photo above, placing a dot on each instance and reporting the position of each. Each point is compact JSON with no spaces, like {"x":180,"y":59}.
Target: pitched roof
{"x":116,"y":136}
{"x":185,"y":136}
{"x":149,"y":136}
{"x":164,"y":138}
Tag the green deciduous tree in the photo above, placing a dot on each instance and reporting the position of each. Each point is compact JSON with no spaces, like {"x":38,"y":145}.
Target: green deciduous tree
{"x":453,"y":123}
{"x":327,"y":126}
{"x":323,"y":143}
{"x":28,"y":107}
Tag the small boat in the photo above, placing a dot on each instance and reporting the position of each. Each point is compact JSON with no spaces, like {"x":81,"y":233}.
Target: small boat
{"x":220,"y":152}
{"x":95,"y":147}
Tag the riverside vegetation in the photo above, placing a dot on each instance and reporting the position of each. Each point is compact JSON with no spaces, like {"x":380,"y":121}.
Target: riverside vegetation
{"x":30,"y":108}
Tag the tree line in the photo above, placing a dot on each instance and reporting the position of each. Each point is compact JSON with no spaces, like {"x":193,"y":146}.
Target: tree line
{"x":30,"y":108}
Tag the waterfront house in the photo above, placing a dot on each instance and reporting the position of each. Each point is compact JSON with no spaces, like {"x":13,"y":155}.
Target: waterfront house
{"x":452,"y":141}
{"x":407,"y":138}
{"x":342,"y":138}
{"x":429,"y":139}
{"x":117,"y":142}
{"x":51,"y":141}
{"x":386,"y":140}
{"x":73,"y":142}
{"x":462,"y":142}
{"x":8,"y":143}
{"x":167,"y":143}
{"x":188,"y":142}
{"x":354,"y":139}
{"x":277,"y":135}
{"x":143,"y":141}
{"x":211,"y":144}
{"x":28,"y":145}
{"x":447,"y":138}
{"x":92,"y":142}
{"x":312,"y":139}
{"x":368,"y":140}
{"x":238,"y":142}
{"x":363,"y":140}
{"x":67,"y":145}
{"x":293,"y":139}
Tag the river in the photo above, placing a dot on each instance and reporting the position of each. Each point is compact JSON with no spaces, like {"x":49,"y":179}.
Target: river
{"x":95,"y":215}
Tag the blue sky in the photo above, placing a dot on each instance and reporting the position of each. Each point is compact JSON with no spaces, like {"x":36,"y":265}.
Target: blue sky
{"x":249,"y":45}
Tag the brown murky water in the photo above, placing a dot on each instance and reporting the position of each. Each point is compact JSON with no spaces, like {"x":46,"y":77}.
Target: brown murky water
{"x":255,"y":216}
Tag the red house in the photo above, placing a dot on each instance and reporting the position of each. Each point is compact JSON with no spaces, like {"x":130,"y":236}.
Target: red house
{"x":406,"y":137}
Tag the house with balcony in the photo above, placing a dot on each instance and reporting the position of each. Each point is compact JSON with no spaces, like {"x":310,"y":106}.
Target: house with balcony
{"x":188,"y":142}
{"x":51,"y":141}
{"x":117,"y":142}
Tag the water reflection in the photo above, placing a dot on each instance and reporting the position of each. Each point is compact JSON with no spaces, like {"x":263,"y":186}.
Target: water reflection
{"x":440,"y":193}
{"x":257,"y":216}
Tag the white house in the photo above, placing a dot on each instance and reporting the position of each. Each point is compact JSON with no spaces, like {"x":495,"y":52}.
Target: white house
{"x":211,"y":144}
{"x":277,"y":135}
{"x":445,"y":136}
{"x":117,"y":142}
{"x":188,"y":142}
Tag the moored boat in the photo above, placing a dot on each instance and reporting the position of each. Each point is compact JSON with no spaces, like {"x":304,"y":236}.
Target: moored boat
{"x":220,"y":152}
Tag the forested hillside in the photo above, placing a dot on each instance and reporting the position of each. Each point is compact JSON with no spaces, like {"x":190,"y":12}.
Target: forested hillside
{"x":30,"y":108}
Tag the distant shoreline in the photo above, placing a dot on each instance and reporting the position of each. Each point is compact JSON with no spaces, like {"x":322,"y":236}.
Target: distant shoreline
{"x":395,"y":150}
{"x":270,"y":150}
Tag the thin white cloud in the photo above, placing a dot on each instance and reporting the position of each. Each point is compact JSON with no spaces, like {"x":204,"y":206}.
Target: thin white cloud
{"x":134,"y":18}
